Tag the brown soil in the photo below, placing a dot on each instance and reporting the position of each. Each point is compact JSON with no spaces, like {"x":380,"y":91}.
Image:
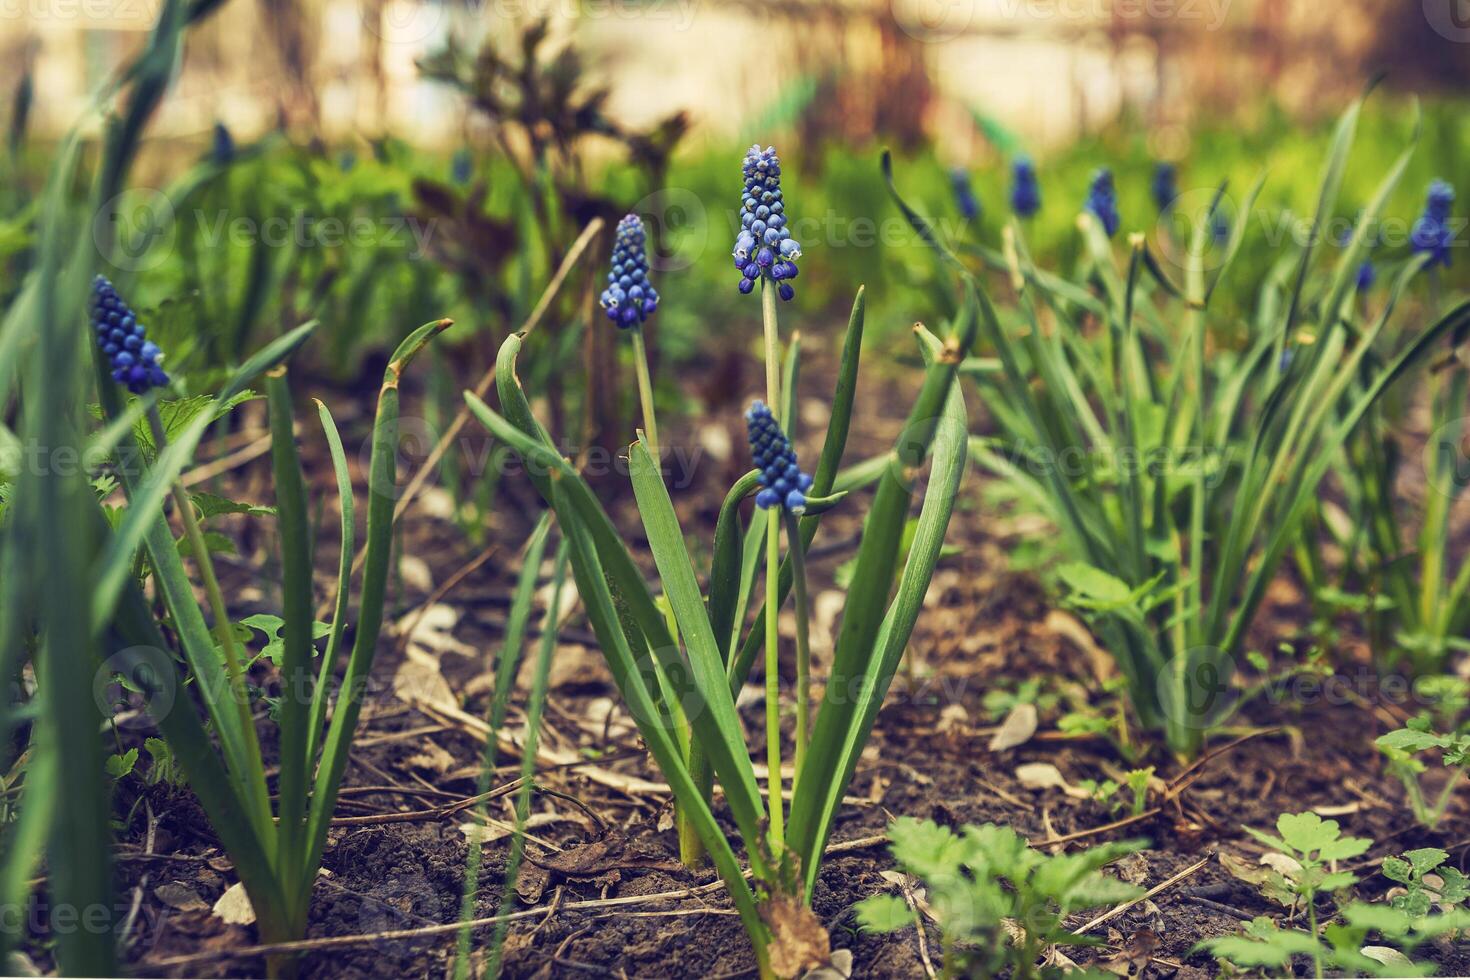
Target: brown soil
{"x":985,"y":629}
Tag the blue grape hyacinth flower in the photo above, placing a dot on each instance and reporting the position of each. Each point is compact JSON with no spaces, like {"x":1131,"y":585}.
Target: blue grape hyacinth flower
{"x":1165,"y":186}
{"x":1025,"y":191}
{"x":1102,"y":199}
{"x":1367,"y":274}
{"x":1431,"y":233}
{"x":629,"y":298}
{"x":764,"y":249}
{"x":964,"y":194}
{"x":134,"y":358}
{"x":222,"y":149}
{"x":783,"y":484}
{"x":462,"y":166}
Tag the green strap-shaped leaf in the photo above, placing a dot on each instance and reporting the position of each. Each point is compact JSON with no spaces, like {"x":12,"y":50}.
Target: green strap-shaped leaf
{"x":346,"y":505}
{"x":382,"y":495}
{"x":826,"y":479}
{"x":653,"y":723}
{"x":724,"y":571}
{"x":711,"y":712}
{"x":296,"y":590}
{"x":516,"y":624}
{"x":723,"y":736}
{"x":854,"y":663}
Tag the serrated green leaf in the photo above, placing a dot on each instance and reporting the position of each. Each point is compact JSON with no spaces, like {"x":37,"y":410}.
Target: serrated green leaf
{"x":213,"y":505}
{"x":1425,"y":859}
{"x":1094,"y":583}
{"x":272,"y":627}
{"x":1307,"y":832}
{"x":1409,"y":740}
{"x":883,"y":913}
{"x":924,"y":848}
{"x":119,"y":766}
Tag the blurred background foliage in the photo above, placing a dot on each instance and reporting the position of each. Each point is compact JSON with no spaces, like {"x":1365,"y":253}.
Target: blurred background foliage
{"x":362,"y":162}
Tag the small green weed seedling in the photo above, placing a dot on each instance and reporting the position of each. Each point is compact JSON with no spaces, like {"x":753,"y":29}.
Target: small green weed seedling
{"x":999,"y":902}
{"x":1402,"y":748}
{"x":1426,"y":880}
{"x":1343,"y":946}
{"x":1312,"y":846}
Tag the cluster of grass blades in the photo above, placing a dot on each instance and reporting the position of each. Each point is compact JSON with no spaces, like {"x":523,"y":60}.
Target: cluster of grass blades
{"x":1178,"y":471}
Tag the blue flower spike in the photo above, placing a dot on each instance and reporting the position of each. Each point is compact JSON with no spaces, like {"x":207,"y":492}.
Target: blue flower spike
{"x":1367,"y":274}
{"x":1025,"y":191}
{"x":134,"y":358}
{"x":1431,"y":233}
{"x":764,"y":249}
{"x":1165,"y":186}
{"x":783,"y":484}
{"x":964,"y":194}
{"x":629,"y":298}
{"x":1102,"y":200}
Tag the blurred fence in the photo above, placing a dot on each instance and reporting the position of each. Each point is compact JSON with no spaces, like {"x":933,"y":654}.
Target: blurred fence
{"x":911,"y":69}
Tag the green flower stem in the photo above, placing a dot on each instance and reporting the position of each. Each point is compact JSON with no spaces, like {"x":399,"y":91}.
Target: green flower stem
{"x":773,"y":604}
{"x":773,"y":689}
{"x":803,"y":647}
{"x":194,"y":538}
{"x":645,"y":392}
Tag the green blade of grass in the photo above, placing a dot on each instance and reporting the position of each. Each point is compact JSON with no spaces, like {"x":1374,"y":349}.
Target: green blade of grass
{"x":382,"y":494}
{"x":853,"y":660}
{"x":653,"y":723}
{"x":706,"y":709}
{"x":722,"y":738}
{"x":826,"y":479}
{"x":506,"y":665}
{"x":821,"y":802}
{"x":296,"y":590}
{"x":347,"y":507}
{"x":725,"y":562}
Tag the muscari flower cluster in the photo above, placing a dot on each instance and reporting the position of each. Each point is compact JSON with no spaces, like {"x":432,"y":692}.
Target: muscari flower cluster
{"x":629,"y":297}
{"x":964,"y":194}
{"x":764,"y":247}
{"x":223,"y":149}
{"x":1025,"y":191}
{"x":1165,"y":188}
{"x":124,"y":340}
{"x":1366,"y":272}
{"x":1431,"y":233}
{"x":783,"y":484}
{"x":1102,"y":199}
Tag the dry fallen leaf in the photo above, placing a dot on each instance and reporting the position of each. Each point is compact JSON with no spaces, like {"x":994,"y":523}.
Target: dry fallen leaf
{"x":180,"y":896}
{"x":1044,"y":775}
{"x":799,"y":942}
{"x":1135,"y":956}
{"x":234,"y":906}
{"x":1288,"y":866}
{"x":1019,"y":725}
{"x":432,"y":757}
{"x":415,"y":573}
{"x":838,"y":968}
{"x":1386,"y":955}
